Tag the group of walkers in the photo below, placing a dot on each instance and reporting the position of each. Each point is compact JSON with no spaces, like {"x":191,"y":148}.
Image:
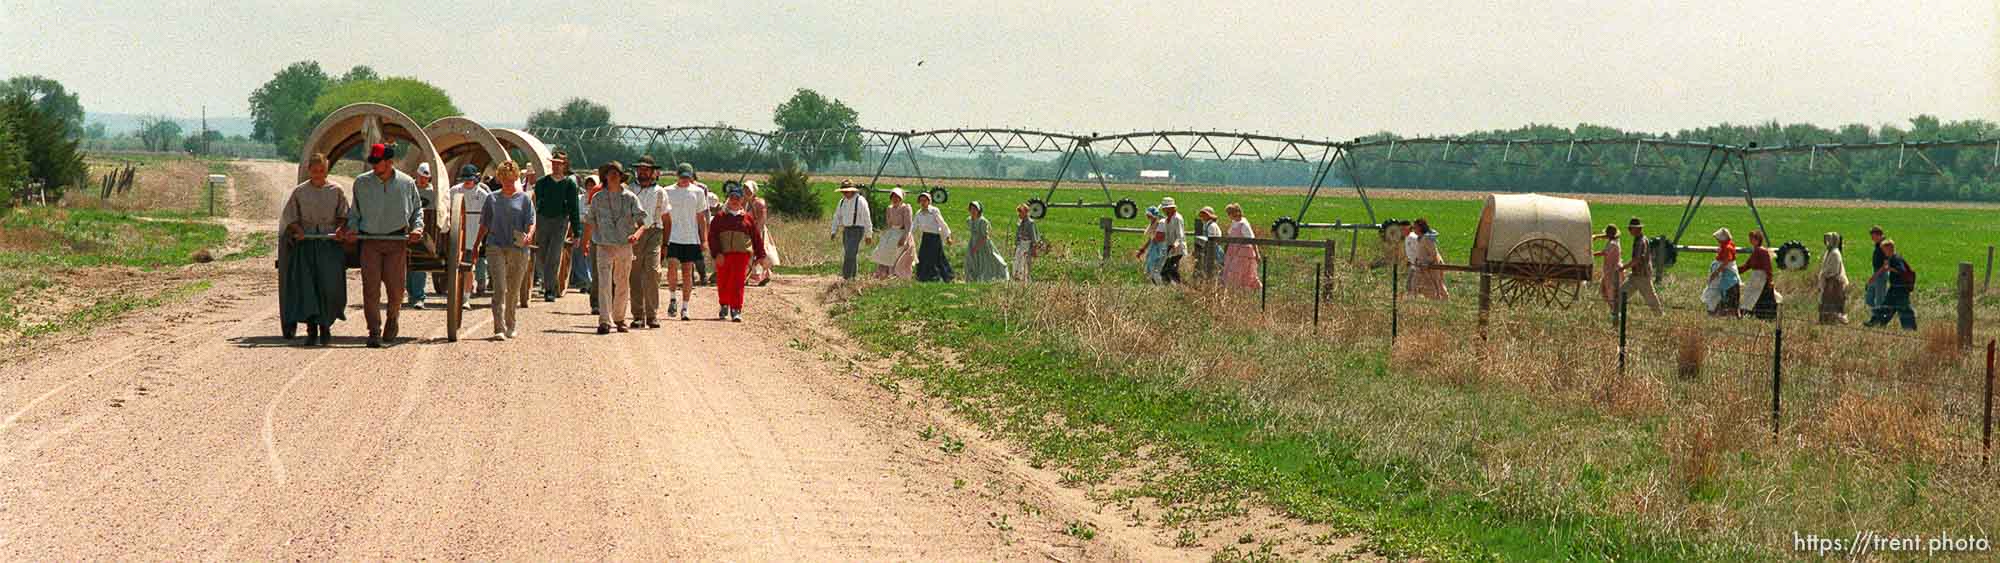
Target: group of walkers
{"x":1751,"y":289}
{"x":615,"y":230}
{"x":1167,"y":244}
{"x":912,"y":241}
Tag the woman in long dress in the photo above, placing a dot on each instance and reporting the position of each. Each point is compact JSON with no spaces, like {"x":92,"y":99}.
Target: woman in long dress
{"x":1832,"y":283}
{"x":896,"y":243}
{"x":1154,"y":252}
{"x":1760,"y":288}
{"x":1613,"y":266}
{"x":931,"y":265}
{"x":983,"y":262}
{"x":1425,"y":279}
{"x":1239,"y":263}
{"x":1724,"y":284}
{"x":760,"y":211}
{"x":314,"y":271}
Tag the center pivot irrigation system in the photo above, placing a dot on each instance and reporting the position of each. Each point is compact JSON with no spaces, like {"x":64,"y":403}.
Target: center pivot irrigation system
{"x":1325,"y":157}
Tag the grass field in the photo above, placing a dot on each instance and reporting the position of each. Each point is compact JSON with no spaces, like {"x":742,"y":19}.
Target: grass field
{"x":1442,"y":444}
{"x":1935,"y":240}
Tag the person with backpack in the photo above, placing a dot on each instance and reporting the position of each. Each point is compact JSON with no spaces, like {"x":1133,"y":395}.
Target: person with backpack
{"x":1901,"y":280}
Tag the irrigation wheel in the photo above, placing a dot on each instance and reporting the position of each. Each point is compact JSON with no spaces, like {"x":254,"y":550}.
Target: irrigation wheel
{"x":1532,"y":274}
{"x":1126,"y":209}
{"x":1037,"y":209}
{"x":1285,"y":228}
{"x":1793,"y":256}
{"x":940,"y":195}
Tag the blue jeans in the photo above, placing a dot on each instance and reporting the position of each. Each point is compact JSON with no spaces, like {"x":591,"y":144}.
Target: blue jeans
{"x":582,"y":270}
{"x":1895,"y":303}
{"x":414,"y":285}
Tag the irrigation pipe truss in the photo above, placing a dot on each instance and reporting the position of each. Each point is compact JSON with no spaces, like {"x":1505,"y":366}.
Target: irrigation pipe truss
{"x":1720,"y":159}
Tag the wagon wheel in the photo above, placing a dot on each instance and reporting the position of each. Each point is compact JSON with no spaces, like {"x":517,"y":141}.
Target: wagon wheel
{"x":1533,"y":273}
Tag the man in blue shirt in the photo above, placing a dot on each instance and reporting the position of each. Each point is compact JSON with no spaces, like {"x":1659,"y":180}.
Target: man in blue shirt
{"x":385,"y":205}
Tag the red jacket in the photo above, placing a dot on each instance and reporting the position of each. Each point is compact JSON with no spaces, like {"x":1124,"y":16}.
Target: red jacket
{"x":730,"y":232}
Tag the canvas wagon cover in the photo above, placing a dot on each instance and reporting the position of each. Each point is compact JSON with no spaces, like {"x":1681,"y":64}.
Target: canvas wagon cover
{"x":1511,"y":218}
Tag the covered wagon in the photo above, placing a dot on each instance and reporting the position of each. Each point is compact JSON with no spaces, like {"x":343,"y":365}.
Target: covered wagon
{"x":356,"y":126}
{"x":1536,"y":247}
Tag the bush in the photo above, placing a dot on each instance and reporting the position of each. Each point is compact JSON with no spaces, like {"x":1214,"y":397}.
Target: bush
{"x":790,"y":193}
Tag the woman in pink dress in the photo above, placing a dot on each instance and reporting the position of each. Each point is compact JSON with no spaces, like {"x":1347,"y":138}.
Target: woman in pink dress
{"x":1239,"y":262}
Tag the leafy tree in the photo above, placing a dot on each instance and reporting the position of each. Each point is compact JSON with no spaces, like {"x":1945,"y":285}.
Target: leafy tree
{"x":579,"y":114}
{"x":96,"y":131}
{"x":280,"y":109}
{"x":360,"y":73}
{"x":808,"y":110}
{"x":51,"y":98}
{"x":45,"y":145}
{"x":202,"y":143}
{"x":421,"y":101}
{"x":790,"y":192}
{"x":159,"y":132}
{"x":13,"y":161}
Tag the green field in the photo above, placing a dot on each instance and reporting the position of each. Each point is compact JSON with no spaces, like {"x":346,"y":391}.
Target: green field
{"x":39,"y":241}
{"x":1202,"y":401}
{"x":1935,"y":240}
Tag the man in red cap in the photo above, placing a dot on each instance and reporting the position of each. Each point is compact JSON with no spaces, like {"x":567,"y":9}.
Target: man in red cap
{"x":388,"y":211}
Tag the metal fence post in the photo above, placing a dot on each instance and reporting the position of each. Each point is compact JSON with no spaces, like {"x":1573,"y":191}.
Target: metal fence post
{"x":1263,"y":282}
{"x":1986,"y":435}
{"x":1777,"y":377}
{"x":1964,"y":305}
{"x":1621,"y":332}
{"x":1395,"y":310}
{"x":1317,"y":273}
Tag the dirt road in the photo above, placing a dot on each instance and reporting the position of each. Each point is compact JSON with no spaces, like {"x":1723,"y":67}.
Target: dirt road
{"x":208,"y":438}
{"x":193,"y":432}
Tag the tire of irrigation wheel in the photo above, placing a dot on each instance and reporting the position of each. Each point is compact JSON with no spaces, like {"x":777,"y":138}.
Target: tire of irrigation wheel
{"x":1793,"y":255}
{"x":1285,"y":229}
{"x":1126,"y":209}
{"x":940,"y":195}
{"x":1664,"y":252}
{"x":1037,"y":209}
{"x":454,"y":301}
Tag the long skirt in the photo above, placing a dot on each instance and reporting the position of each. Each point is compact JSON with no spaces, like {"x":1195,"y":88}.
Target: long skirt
{"x":1718,"y":292}
{"x":983,"y":262}
{"x":1763,"y":292}
{"x":888,"y":248}
{"x":1428,"y":283}
{"x":1239,"y":268}
{"x":1156,"y":255}
{"x":1833,"y":302}
{"x":315,"y":288}
{"x":931,"y":263}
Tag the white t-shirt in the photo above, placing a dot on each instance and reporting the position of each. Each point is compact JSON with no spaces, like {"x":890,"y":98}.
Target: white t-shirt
{"x":683,"y":205}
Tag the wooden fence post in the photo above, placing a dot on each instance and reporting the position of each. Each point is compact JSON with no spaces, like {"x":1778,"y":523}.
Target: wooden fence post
{"x":1965,"y":304}
{"x":1105,"y":223}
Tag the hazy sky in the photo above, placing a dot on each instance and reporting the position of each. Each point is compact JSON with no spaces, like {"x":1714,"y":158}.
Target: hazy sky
{"x":1314,"y":69}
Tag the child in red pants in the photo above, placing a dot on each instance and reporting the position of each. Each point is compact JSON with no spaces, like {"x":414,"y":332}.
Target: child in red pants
{"x":734,"y":239}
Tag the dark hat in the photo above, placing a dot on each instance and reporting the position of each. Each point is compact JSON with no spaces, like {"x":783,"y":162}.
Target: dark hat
{"x":379,"y":152}
{"x":685,"y":170}
{"x":645,"y":162}
{"x":734,"y":189}
{"x":468,"y":172}
{"x":559,"y":156}
{"x":1635,"y":223}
